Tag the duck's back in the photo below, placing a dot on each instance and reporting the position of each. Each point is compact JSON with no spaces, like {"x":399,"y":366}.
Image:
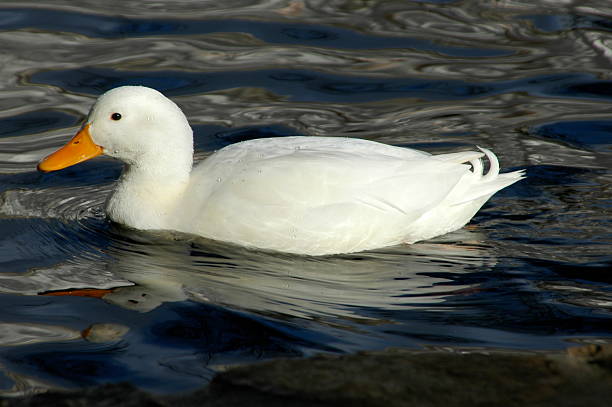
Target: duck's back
{"x":316,"y":195}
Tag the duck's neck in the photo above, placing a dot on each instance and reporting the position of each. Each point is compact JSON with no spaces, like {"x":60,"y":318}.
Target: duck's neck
{"x":146,"y":197}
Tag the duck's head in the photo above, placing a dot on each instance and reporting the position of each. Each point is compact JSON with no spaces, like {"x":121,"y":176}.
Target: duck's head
{"x":136,"y":124}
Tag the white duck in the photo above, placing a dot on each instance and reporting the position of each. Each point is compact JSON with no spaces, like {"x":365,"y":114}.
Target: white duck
{"x":306,"y":195}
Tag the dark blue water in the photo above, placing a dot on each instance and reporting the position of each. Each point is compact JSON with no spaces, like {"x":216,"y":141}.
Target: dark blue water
{"x":85,"y":302}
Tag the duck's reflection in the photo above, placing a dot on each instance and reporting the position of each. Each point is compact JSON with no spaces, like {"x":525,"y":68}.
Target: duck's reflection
{"x":150,"y":269}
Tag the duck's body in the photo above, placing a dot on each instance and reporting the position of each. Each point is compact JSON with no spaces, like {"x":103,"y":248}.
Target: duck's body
{"x":307,"y":195}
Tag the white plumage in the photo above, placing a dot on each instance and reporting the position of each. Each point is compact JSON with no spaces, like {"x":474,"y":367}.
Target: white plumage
{"x":307,"y":195}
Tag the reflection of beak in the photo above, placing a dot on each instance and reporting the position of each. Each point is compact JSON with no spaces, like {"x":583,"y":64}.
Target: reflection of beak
{"x":77,"y":150}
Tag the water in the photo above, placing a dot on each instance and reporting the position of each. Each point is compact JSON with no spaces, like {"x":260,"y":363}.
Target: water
{"x":529,"y":80}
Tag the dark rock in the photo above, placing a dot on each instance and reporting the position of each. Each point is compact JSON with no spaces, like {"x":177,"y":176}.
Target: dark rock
{"x":580,"y":377}
{"x":409,"y":378}
{"x":108,"y":395}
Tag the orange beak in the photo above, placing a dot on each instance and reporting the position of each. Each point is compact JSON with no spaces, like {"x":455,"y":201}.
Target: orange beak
{"x":77,"y":150}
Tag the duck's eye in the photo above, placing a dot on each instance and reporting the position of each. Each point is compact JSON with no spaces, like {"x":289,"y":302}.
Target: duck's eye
{"x":116,"y":116}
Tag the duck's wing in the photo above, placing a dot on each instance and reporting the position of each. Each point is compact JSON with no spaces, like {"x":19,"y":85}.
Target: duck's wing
{"x":311,"y":179}
{"x":318,"y":194}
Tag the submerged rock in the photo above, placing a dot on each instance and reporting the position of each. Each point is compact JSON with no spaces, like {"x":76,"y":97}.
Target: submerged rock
{"x":395,"y":377}
{"x":104,"y":332}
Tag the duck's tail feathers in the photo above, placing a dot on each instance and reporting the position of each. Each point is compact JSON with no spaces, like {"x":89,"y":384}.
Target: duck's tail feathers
{"x":486,"y":184}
